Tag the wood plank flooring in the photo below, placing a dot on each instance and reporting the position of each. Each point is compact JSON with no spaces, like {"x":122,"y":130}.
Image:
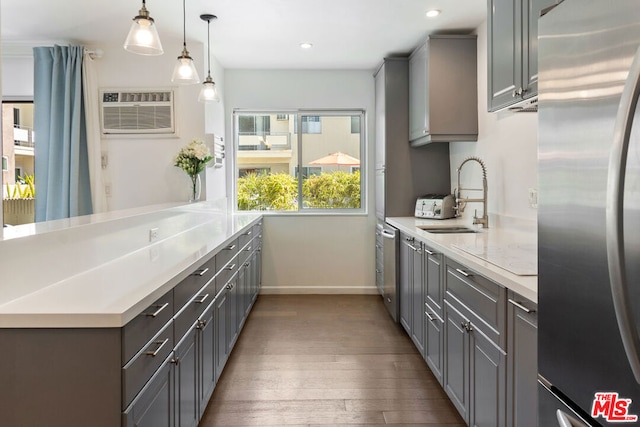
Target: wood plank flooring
{"x":325,"y":360}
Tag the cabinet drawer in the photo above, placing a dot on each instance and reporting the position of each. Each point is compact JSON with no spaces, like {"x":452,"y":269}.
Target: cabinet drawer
{"x":225,"y":273}
{"x":192,"y":310}
{"x":143,"y":327}
{"x":185,"y":290}
{"x":245,"y":252}
{"x":226,"y":254}
{"x":257,"y":230}
{"x":482,"y":300}
{"x":144,"y":364}
{"x":245,"y":237}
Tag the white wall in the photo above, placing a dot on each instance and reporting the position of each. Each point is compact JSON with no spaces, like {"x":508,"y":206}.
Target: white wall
{"x":508,"y":144}
{"x":319,"y":253}
{"x":140,"y":169}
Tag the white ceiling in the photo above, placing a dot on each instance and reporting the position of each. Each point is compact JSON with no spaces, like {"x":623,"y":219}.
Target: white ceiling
{"x":346,"y":34}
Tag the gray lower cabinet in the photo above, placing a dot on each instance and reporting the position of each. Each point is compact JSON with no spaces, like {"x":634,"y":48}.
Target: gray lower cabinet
{"x":475,"y":338}
{"x":220,"y":316}
{"x":434,"y":343}
{"x":406,"y":273}
{"x":522,"y":363}
{"x":154,"y":406}
{"x":206,"y":357}
{"x":186,"y":378}
{"x":417,"y":298}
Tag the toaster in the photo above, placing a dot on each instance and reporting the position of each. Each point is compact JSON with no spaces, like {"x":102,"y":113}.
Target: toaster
{"x":435,"y":206}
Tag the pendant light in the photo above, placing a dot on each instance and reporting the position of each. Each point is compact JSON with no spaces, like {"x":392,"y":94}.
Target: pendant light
{"x":143,"y":37}
{"x":208,"y":92}
{"x":185,"y":71}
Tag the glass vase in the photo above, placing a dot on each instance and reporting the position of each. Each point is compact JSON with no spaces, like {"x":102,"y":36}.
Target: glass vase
{"x":196,"y":185}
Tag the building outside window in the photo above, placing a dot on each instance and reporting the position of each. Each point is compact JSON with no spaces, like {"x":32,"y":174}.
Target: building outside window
{"x":328,"y":151}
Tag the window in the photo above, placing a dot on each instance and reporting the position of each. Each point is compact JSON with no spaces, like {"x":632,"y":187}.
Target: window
{"x":316,"y":169}
{"x":5,"y":163}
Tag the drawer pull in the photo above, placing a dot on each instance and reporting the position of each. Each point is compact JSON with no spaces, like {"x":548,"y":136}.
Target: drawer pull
{"x":160,"y":308}
{"x":412,"y":247}
{"x":389,"y":300}
{"x":155,"y":353}
{"x":230,"y":286}
{"x":429,"y":252}
{"x":248,"y":249}
{"x":201,"y":272}
{"x":431,"y":318}
{"x":521,"y":307}
{"x":464,"y":273}
{"x":230,"y":247}
{"x":201,"y":324}
{"x":230,"y":267}
{"x":202,"y":299}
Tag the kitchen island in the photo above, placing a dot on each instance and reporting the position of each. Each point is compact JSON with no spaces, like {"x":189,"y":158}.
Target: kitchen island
{"x":125,"y":318}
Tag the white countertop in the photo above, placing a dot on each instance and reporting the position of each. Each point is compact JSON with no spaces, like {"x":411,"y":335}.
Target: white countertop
{"x":506,"y":248}
{"x":103,"y":272}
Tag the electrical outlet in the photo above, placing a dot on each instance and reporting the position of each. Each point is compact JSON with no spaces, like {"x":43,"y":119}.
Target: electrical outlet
{"x":153,"y":234}
{"x":533,"y":198}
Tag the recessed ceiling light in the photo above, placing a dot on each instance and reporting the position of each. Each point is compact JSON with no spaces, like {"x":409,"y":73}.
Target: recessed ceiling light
{"x":432,"y":13}
{"x":306,"y":45}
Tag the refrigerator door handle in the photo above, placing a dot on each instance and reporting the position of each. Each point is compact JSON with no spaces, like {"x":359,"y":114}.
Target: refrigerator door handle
{"x":565,"y":420}
{"x":388,"y":234}
{"x":614,"y":217}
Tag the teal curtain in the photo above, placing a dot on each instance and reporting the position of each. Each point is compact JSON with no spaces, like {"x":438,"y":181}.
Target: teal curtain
{"x":61,"y":162}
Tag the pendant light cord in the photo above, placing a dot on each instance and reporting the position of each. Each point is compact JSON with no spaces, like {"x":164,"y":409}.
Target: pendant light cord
{"x":184,"y":24}
{"x":209,"y":47}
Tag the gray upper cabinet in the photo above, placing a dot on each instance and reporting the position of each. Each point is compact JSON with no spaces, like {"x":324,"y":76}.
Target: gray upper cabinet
{"x":402,"y":173}
{"x":443,"y":93}
{"x":512,"y":56}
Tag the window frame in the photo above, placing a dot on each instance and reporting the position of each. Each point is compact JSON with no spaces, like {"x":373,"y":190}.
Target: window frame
{"x":299,"y":113}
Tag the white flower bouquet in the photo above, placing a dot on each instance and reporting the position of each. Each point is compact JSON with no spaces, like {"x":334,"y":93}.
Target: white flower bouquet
{"x":192,"y":158}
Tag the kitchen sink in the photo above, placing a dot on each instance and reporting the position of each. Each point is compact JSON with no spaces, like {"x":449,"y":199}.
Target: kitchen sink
{"x":447,"y":230}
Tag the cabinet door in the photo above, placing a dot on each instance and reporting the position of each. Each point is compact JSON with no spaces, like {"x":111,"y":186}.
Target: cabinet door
{"x":154,"y":406}
{"x":434,"y":343}
{"x":531,"y":10}
{"x":220,"y":325}
{"x":522,"y":363}
{"x":206,"y":351}
{"x":418,"y":95}
{"x":504,"y":53}
{"x":232,"y":314}
{"x":406,"y":272}
{"x":434,"y":279}
{"x":488,"y":382}
{"x":417,"y":299}
{"x":186,"y":372}
{"x":456,"y":374}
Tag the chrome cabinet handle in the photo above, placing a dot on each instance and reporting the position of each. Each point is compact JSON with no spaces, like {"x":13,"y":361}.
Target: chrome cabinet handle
{"x":155,"y":353}
{"x":230,"y":247}
{"x":466,"y":326}
{"x":521,"y":307}
{"x":428,"y":251}
{"x":247,"y":249}
{"x":430,"y":317}
{"x":378,"y":246}
{"x":464,"y":273}
{"x":248,"y":233}
{"x":412,"y":247}
{"x":246,"y":264}
{"x":160,"y":308}
{"x":389,"y":300}
{"x":201,"y":324}
{"x":230,"y":267}
{"x":614,"y":225}
{"x":202,"y":299}
{"x":201,"y":272}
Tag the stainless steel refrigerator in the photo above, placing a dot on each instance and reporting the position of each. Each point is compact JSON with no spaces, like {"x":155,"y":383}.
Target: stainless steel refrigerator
{"x":589,"y":214}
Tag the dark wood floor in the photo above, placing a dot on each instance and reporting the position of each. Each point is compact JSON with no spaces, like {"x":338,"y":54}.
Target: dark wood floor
{"x":317,"y":360}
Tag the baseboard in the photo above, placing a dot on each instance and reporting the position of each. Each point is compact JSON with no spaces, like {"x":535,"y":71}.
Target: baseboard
{"x":318,"y":290}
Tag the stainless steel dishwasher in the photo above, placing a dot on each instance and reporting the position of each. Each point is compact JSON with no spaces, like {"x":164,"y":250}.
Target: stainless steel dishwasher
{"x":390,"y":270}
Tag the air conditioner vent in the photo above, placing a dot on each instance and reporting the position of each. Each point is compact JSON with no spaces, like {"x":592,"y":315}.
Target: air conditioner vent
{"x":129,"y":112}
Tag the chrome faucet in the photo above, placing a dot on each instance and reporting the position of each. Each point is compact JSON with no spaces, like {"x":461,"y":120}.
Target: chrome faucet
{"x":461,"y":202}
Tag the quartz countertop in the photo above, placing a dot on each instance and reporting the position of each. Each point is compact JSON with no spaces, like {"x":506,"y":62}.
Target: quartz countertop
{"x":101,"y":272}
{"x":497,"y":253}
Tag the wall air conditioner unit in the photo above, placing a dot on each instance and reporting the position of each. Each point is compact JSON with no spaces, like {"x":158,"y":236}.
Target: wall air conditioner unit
{"x":128,"y":112}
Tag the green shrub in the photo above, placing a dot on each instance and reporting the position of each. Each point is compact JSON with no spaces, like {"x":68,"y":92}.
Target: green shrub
{"x":279,"y":191}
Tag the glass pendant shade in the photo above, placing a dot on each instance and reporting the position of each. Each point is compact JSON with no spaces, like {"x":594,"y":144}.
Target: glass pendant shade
{"x":208,"y":92}
{"x":185,"y":70}
{"x":143,"y":37}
